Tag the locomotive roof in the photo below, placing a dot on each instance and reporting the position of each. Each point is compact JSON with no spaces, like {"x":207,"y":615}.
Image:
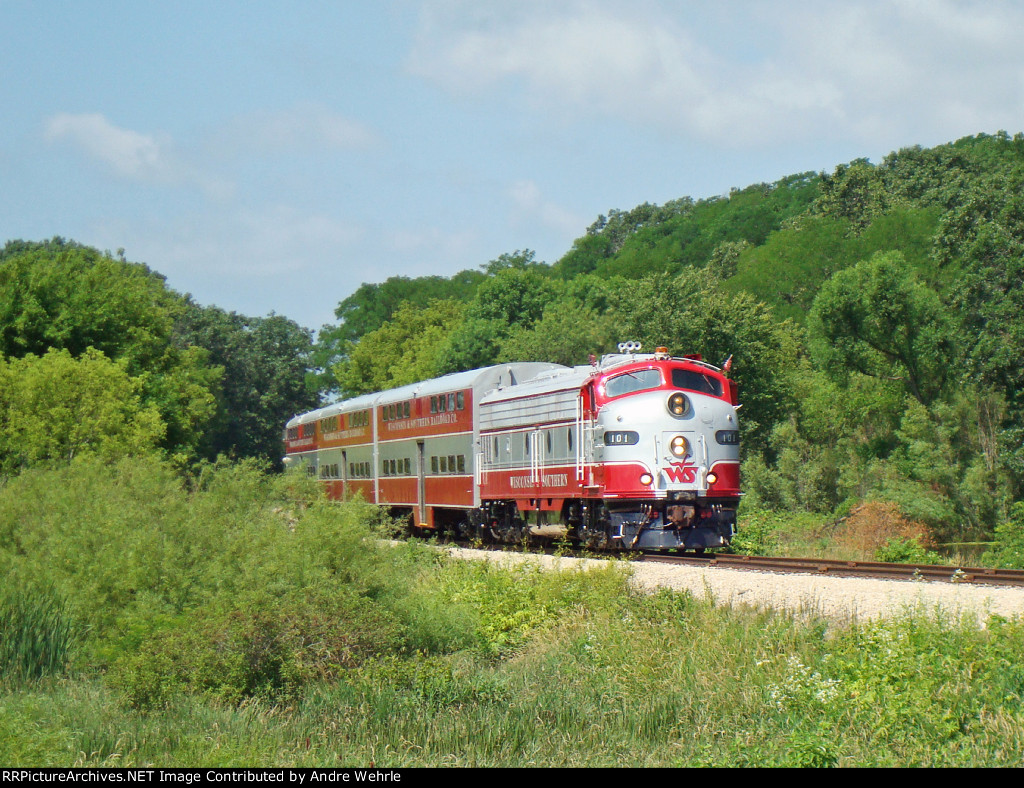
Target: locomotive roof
{"x":557,"y":380}
{"x":469,"y":379}
{"x":573,"y":378}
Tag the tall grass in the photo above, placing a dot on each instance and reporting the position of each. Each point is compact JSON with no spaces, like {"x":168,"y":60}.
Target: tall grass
{"x":36,"y":633}
{"x":667,"y":680}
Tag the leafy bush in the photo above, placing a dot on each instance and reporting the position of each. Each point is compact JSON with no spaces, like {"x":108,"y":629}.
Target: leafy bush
{"x":509,"y":605}
{"x":757,"y":531}
{"x":236,"y":584}
{"x":1008,"y":550}
{"x":906,"y":551}
{"x":256,"y":649}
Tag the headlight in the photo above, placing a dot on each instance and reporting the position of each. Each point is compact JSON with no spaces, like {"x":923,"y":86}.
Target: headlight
{"x":678,"y":446}
{"x":678,"y":404}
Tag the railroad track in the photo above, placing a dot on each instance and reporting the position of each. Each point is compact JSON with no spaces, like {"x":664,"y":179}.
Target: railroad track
{"x":815,"y":566}
{"x":870,"y":569}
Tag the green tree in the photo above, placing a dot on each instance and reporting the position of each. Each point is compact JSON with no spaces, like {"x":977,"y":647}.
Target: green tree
{"x":56,"y":407}
{"x":854,"y":191}
{"x":724,"y":260}
{"x":567,"y":333}
{"x":405,"y":349}
{"x":688,"y":313}
{"x":878,"y":319}
{"x":515,"y":297}
{"x":371,"y":305}
{"x":183,"y":386}
{"x":951,"y":452}
{"x":519,"y":260}
{"x":1008,"y":550}
{"x":59,"y":294}
{"x":789,"y":268}
{"x":264,"y":362}
{"x":650,"y":239}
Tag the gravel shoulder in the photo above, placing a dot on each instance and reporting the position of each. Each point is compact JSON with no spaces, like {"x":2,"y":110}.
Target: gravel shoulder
{"x":832,"y":597}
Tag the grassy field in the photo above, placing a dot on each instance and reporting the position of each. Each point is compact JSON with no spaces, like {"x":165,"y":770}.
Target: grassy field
{"x":239,"y":620}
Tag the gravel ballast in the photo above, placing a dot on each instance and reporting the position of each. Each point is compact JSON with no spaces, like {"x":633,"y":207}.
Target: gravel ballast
{"x":841,"y":598}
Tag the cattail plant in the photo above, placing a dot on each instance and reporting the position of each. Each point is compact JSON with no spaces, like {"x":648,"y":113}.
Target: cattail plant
{"x":36,"y":634}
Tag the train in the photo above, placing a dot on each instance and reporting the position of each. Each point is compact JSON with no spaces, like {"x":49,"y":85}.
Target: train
{"x":633,"y":451}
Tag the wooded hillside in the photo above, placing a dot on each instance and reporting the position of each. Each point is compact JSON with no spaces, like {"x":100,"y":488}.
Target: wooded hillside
{"x":874,"y":315}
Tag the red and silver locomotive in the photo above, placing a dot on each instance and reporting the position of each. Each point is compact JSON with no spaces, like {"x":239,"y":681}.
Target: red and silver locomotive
{"x":638,"y":451}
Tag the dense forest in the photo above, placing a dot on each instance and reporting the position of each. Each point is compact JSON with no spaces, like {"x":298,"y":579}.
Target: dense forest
{"x":874,"y":316}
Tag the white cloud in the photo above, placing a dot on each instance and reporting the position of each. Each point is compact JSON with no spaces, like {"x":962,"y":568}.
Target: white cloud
{"x":530,"y":207}
{"x":582,"y":53}
{"x":742,"y":73}
{"x":129,"y":153}
{"x":303,"y":127}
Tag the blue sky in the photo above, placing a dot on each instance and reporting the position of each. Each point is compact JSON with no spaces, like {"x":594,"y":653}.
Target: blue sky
{"x":271,"y":156}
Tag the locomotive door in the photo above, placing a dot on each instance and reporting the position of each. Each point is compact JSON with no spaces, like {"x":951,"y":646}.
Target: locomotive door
{"x":584,"y":437}
{"x":421,"y":483}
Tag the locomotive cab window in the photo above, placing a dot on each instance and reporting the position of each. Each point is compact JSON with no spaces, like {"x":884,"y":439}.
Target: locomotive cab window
{"x":629,"y":382}
{"x":693,"y":380}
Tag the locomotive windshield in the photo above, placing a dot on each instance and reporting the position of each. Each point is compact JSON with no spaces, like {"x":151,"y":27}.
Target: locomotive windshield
{"x":629,"y":382}
{"x":696,"y":381}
